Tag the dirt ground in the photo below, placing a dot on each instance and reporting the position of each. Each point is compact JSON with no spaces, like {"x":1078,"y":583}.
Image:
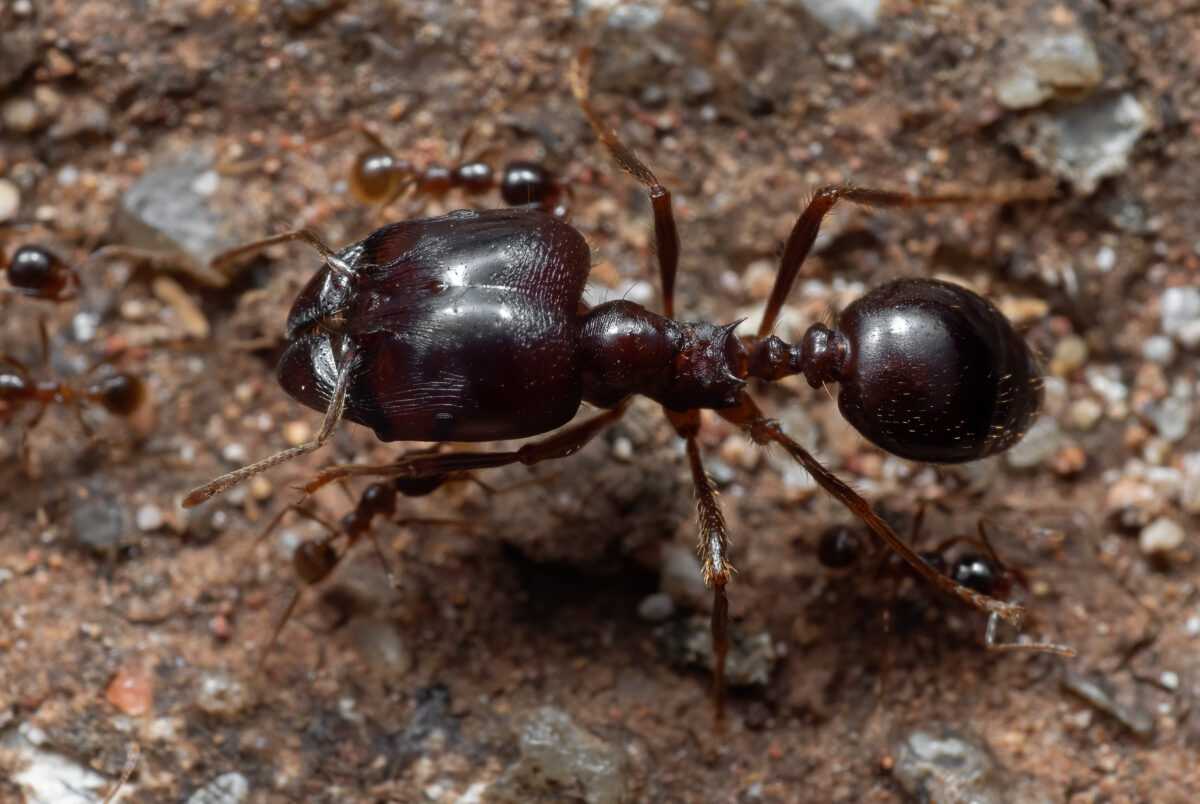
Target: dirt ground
{"x":526,"y":653}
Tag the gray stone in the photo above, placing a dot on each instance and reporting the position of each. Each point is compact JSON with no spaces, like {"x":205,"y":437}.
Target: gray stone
{"x":1039,"y":444}
{"x":682,"y":578}
{"x":656,"y":607}
{"x":21,"y":50}
{"x":1052,"y":64}
{"x":228,"y":788}
{"x":939,"y":763}
{"x":1085,"y":143}
{"x":844,"y":17}
{"x":1179,"y":309}
{"x":221,"y":695}
{"x":99,"y":523}
{"x":688,"y":644}
{"x":1099,"y":693}
{"x":561,"y":761}
{"x":1172,"y":418}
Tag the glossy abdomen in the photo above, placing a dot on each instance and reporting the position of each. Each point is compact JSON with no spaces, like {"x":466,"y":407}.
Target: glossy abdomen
{"x":466,"y":329}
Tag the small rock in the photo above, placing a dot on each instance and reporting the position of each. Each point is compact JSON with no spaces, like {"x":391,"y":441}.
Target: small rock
{"x":939,"y":763}
{"x":21,"y":115}
{"x":296,"y":432}
{"x":560,"y":760}
{"x":1084,"y":413}
{"x":656,"y":608}
{"x":682,"y":578}
{"x":687,"y":643}
{"x":844,"y":17}
{"x":302,"y":13}
{"x":1180,"y":311}
{"x":1070,"y":354}
{"x":1086,"y":143}
{"x":1189,"y":494}
{"x":222,"y":696}
{"x":149,"y":517}
{"x":10,"y":200}
{"x":1098,"y":692}
{"x":21,"y":48}
{"x":1172,"y":418}
{"x":1159,"y":349}
{"x":1161,"y":536}
{"x":132,"y":690}
{"x":98,"y":523}
{"x":698,"y":84}
{"x":1039,"y":444}
{"x":228,"y":788}
{"x":1055,"y":63}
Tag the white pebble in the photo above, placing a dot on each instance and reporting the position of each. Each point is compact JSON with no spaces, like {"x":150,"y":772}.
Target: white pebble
{"x":1180,"y":311}
{"x":149,"y":517}
{"x":1159,"y":349}
{"x":1161,"y":536}
{"x":234,"y":453}
{"x":10,"y":200}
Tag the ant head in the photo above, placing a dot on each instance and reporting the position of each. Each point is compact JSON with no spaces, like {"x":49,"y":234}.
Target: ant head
{"x":378,"y":176}
{"x":313,"y":561}
{"x":119,"y":394}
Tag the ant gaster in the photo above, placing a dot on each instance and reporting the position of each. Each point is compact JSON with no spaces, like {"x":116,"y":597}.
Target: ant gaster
{"x":37,"y":272}
{"x":471,"y":327}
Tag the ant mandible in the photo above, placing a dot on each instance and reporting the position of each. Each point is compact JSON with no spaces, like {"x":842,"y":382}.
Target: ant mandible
{"x":379,"y":177}
{"x":471,"y":327}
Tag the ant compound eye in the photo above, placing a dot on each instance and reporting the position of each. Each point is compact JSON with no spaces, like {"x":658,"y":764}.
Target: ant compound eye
{"x":933,"y":372}
{"x":120,"y":394}
{"x":376,"y":176}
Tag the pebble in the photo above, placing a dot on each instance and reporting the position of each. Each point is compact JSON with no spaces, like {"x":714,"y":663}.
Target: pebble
{"x":844,"y":17}
{"x":1097,"y":691}
{"x":1039,"y":444}
{"x":557,"y":756}
{"x":682,"y":579}
{"x":10,"y":200}
{"x":222,"y":696}
{"x":296,"y":432}
{"x":98,"y":523}
{"x":1159,"y":349}
{"x":1070,"y":354}
{"x":1088,"y":142}
{"x":1180,"y":312}
{"x":939,"y":763}
{"x":228,"y":788}
{"x":1054,"y":63}
{"x":687,"y":643}
{"x":1161,"y":536}
{"x":1172,"y":418}
{"x":149,"y":517}
{"x":234,"y":452}
{"x":1084,"y":413}
{"x":656,"y":608}
{"x":131,"y":690}
{"x":1189,"y":493}
{"x":20,"y":115}
{"x":302,"y":13}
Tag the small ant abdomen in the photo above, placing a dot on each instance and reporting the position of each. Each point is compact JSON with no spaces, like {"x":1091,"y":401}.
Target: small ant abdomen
{"x":977,"y":572}
{"x":525,"y":183}
{"x":313,"y":561}
{"x":474,"y":177}
{"x":934,"y":372}
{"x":34,"y":271}
{"x":119,"y":394}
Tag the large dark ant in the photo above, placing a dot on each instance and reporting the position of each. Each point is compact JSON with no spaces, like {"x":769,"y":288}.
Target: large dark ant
{"x":379,"y":177}
{"x":973,"y":563}
{"x":471,"y":327}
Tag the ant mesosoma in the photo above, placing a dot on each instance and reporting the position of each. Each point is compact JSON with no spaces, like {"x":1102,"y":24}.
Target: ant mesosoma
{"x":471,"y":327}
{"x":379,"y":177}
{"x":977,"y":567}
{"x":37,"y":272}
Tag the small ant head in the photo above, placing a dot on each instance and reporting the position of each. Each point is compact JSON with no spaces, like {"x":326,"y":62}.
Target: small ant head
{"x":35,"y":271}
{"x":839,"y":547}
{"x":978,"y":572}
{"x":313,"y":561}
{"x":377,"y":176}
{"x":119,"y":394}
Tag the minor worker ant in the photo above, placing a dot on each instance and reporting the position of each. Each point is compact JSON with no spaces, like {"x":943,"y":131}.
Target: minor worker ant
{"x":118,"y":393}
{"x":977,"y":567}
{"x":37,"y":272}
{"x":471,"y":327}
{"x":379,"y":177}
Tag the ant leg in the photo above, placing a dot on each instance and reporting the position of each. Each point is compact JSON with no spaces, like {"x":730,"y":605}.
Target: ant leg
{"x":666,"y":234}
{"x":804,"y":233}
{"x":333,"y":415}
{"x":767,"y":431}
{"x":225,"y":259}
{"x":562,"y":444}
{"x":992,"y":641}
{"x":713,"y":549}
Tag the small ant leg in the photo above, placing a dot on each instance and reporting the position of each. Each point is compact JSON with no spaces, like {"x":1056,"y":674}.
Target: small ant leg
{"x":222,"y":261}
{"x":666,"y":234}
{"x":992,"y":641}
{"x":713,"y":549}
{"x":333,"y":415}
{"x":766,"y":431}
{"x":804,"y":233}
